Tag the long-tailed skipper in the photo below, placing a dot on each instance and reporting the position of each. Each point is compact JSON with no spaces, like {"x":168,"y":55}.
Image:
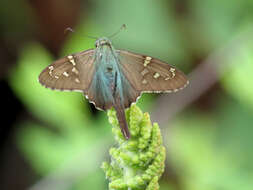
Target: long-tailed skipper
{"x":112,"y":78}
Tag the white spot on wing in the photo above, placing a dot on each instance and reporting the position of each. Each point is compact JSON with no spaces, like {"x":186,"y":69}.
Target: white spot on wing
{"x":156,"y":75}
{"x":71,"y":59}
{"x":147,"y":61}
{"x":172,"y":70}
{"x":77,"y":80}
{"x":51,"y":68}
{"x":148,"y":58}
{"x":74,"y":70}
{"x":144,"y":81}
{"x":65,"y":74}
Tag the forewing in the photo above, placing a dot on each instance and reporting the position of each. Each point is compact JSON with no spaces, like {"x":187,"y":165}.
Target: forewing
{"x":147,"y":74}
{"x":73,"y":72}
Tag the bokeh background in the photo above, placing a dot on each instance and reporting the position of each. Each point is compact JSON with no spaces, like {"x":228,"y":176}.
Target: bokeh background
{"x":57,"y":141}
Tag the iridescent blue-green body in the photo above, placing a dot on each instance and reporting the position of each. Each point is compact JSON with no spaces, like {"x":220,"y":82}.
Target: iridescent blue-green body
{"x":112,"y":78}
{"x":109,"y":84}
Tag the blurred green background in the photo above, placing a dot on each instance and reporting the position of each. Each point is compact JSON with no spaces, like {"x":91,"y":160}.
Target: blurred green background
{"x":57,"y":140}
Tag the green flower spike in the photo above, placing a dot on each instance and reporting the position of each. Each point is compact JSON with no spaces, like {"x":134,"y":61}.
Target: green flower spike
{"x":137,"y":163}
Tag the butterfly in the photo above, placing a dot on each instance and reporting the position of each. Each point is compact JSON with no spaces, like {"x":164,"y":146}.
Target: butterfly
{"x":112,"y":78}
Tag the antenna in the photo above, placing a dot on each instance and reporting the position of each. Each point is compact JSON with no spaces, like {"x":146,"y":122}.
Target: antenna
{"x":121,"y":28}
{"x":71,"y":30}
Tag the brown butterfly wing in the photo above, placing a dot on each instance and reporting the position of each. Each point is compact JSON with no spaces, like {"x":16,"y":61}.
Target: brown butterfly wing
{"x":147,"y":74}
{"x":73,"y":72}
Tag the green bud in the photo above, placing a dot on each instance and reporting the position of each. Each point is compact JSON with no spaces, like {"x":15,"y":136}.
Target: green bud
{"x":137,"y":163}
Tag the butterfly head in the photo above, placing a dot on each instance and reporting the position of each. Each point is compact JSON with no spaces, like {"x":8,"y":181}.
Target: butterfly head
{"x":103,"y":42}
